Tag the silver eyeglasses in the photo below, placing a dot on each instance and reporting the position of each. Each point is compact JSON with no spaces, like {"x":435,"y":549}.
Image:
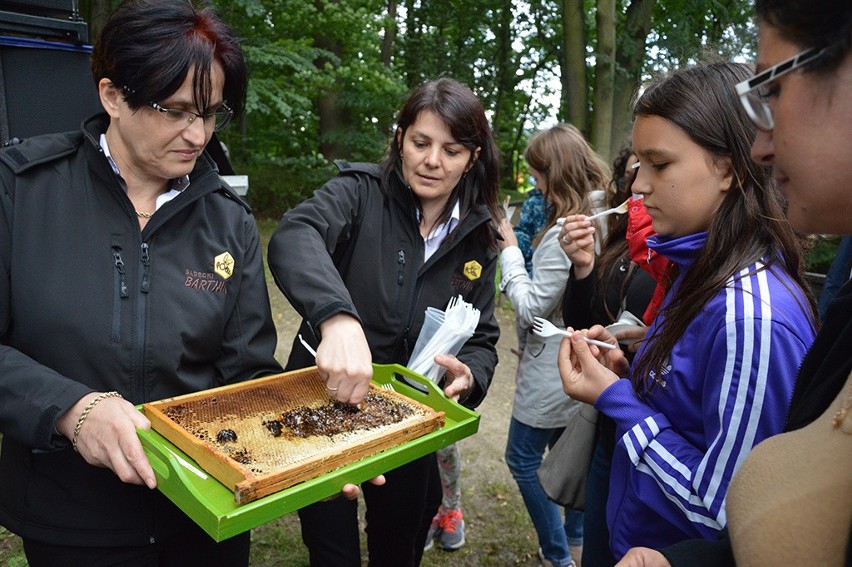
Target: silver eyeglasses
{"x":218,"y":120}
{"x":754,"y":93}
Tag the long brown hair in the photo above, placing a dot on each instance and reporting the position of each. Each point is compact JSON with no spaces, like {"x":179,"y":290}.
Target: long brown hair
{"x":749,"y":225}
{"x":570,"y":167}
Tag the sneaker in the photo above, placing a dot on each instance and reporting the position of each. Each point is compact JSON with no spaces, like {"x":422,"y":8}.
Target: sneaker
{"x":452,"y":530}
{"x":434,"y":530}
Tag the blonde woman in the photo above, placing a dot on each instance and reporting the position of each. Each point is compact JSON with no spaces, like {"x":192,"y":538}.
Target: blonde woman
{"x":567,"y":171}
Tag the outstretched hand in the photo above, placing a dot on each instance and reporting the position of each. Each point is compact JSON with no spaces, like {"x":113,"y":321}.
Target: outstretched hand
{"x":586,"y":370}
{"x":353,"y":491}
{"x":643,"y":557}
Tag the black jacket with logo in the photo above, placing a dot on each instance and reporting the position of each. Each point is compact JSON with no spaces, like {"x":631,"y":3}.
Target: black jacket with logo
{"x":350,"y":249}
{"x":88,"y":302}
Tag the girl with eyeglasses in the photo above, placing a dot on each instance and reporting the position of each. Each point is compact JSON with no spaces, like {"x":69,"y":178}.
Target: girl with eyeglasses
{"x":791,"y":501}
{"x":716,"y":370}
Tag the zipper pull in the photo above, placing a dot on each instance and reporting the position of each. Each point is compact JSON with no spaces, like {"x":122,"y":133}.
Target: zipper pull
{"x":400,"y":273}
{"x":146,"y":284}
{"x":119,"y":266}
{"x":405,"y":343}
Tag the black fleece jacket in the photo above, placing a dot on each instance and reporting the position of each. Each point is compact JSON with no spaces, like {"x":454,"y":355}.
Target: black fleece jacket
{"x":352,"y":249}
{"x":88,"y":302}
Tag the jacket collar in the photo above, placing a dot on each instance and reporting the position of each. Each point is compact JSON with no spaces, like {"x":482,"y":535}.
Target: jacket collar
{"x":96,"y":125}
{"x":681,"y":250}
{"x":401,"y":192}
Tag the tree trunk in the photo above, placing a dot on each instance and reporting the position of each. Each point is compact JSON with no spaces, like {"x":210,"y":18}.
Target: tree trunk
{"x":412,"y":40}
{"x":331,"y":114}
{"x":628,"y":74}
{"x":503,"y":69}
{"x":390,"y":34}
{"x":604,"y":77}
{"x":575,"y":105}
{"x":506,"y":83}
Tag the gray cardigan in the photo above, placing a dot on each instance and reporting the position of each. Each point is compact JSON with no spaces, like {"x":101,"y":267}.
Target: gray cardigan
{"x":539,"y":399}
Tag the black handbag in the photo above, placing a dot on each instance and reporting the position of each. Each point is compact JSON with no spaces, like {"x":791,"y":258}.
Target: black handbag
{"x":565,"y":469}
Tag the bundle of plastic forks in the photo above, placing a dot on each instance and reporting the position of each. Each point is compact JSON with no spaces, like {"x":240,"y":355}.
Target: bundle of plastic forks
{"x":443,"y":332}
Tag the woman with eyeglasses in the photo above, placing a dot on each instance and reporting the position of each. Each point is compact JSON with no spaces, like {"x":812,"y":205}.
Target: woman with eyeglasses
{"x":791,"y":501}
{"x":716,"y":370}
{"x":131,"y":273}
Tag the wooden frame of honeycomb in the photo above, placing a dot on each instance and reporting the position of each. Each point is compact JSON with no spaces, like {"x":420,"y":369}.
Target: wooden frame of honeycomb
{"x":230,"y":434}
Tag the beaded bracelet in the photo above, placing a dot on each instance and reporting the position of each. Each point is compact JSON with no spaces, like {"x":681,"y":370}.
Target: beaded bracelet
{"x":85,"y":414}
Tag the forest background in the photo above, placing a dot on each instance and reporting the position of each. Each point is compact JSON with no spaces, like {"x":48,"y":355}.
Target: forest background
{"x":327,"y":76}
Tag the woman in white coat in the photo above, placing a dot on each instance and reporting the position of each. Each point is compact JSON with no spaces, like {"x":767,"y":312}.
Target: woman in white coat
{"x":568,"y":171}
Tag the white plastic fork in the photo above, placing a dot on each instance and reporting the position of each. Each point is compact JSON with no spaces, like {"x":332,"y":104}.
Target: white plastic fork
{"x":619,"y":210}
{"x":544,"y":328}
{"x":308,"y":347}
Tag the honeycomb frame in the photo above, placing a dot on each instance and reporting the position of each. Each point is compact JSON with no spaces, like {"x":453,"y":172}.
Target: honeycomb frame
{"x":258,"y":463}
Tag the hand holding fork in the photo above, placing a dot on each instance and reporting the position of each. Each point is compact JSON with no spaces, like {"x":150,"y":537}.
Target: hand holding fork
{"x":544,"y":328}
{"x":619,"y":210}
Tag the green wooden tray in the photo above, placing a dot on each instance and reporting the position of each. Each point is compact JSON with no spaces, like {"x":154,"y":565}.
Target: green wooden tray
{"x":211,"y":505}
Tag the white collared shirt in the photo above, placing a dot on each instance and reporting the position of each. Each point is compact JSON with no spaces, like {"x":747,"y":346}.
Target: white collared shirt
{"x":175,"y":185}
{"x":434,"y":239}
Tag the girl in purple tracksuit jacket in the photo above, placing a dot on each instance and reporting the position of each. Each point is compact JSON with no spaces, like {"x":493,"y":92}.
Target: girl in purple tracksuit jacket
{"x":715,"y":373}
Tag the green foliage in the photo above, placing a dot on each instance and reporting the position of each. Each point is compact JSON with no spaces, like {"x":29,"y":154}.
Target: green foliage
{"x":686,"y":31}
{"x":11,"y":548}
{"x":821,"y":255}
{"x":299,"y":52}
{"x":276,"y":185}
{"x":319,"y":89}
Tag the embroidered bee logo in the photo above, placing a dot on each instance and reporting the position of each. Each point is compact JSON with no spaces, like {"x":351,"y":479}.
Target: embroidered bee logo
{"x":223,"y":264}
{"x":472,"y":270}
